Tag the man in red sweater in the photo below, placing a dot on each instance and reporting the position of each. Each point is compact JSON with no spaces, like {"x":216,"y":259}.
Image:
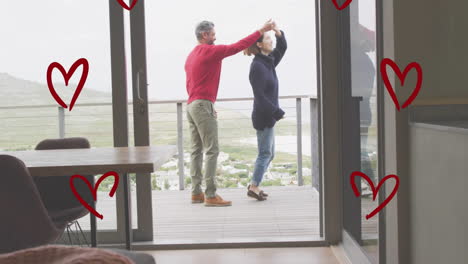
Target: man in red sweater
{"x":203,"y":69}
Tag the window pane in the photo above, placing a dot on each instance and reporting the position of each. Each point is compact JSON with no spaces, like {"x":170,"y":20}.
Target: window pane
{"x":363,"y":76}
{"x":35,"y":34}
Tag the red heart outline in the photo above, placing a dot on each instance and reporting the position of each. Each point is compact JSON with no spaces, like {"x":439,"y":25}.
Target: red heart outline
{"x":124,"y":5}
{"x":401,"y":76}
{"x":94,"y":191}
{"x":345,"y":4}
{"x":67,"y":77}
{"x":375,"y":190}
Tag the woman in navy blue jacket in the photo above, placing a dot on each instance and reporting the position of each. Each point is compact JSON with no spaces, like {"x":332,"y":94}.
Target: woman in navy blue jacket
{"x":266,"y":111}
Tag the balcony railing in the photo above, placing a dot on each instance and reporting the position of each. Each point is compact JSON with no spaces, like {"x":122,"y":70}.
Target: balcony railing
{"x":62,"y":126}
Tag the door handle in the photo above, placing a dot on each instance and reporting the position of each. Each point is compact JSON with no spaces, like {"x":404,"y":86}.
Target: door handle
{"x":140,"y":100}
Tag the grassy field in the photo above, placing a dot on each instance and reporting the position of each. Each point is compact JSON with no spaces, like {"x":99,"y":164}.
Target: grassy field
{"x":23,"y":128}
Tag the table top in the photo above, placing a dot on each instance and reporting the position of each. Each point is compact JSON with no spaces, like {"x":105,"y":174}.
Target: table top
{"x":60,"y":162}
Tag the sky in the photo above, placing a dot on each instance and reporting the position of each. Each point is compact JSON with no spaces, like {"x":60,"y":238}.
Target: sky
{"x":37,"y":33}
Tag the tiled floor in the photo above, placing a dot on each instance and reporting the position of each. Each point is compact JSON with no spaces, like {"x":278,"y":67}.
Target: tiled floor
{"x":316,"y":255}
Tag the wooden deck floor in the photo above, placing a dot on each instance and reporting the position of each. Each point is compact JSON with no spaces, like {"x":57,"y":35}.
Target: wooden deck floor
{"x":291,"y":213}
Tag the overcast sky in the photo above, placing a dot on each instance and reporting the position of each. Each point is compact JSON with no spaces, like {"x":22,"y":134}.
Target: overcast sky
{"x":36,"y":33}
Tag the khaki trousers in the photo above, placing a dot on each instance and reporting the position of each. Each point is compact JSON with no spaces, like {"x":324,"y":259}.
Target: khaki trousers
{"x":203,"y":126}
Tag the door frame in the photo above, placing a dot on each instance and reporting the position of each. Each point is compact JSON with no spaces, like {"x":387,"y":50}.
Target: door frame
{"x":330,"y":96}
{"x":121,"y":123}
{"x":144,"y":232}
{"x":357,"y":254}
{"x":329,"y":111}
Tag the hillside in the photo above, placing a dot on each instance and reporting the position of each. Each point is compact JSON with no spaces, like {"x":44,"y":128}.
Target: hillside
{"x":22,"y":128}
{"x":15,"y":91}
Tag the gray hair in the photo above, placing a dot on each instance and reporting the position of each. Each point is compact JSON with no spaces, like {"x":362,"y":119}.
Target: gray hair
{"x":204,"y":26}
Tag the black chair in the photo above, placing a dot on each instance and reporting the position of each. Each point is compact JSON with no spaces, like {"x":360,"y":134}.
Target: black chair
{"x":57,"y":196}
{"x":25,"y":222}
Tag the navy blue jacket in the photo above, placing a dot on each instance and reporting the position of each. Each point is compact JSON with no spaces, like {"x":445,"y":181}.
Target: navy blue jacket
{"x":266,"y":110}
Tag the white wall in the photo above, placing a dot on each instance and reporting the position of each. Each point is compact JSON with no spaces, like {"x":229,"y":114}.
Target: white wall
{"x":432,"y":33}
{"x":438,"y":199}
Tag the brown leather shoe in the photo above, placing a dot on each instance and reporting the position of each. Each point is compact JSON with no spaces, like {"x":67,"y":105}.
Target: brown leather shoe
{"x":198,"y":198}
{"x":217,"y":201}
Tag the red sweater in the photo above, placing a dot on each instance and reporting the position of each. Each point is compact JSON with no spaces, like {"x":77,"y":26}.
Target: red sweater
{"x":203,"y":67}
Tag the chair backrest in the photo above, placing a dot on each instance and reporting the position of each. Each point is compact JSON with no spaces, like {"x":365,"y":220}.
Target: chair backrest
{"x":24,"y":220}
{"x":55,"y":192}
{"x":64,"y":143}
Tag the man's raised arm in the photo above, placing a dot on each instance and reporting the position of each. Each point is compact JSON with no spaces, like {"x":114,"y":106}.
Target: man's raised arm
{"x":223,"y":51}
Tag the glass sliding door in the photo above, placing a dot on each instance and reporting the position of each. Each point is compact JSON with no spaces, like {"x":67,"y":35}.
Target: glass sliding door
{"x":360,"y":128}
{"x":160,"y":44}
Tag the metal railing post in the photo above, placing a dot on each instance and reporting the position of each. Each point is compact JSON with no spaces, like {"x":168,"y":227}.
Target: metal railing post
{"x":180,"y":145}
{"x":314,"y":146}
{"x":315,"y":156}
{"x":300,"y":180}
{"x":61,"y":122}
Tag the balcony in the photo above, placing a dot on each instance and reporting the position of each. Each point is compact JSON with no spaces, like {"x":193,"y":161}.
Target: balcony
{"x":291,"y":213}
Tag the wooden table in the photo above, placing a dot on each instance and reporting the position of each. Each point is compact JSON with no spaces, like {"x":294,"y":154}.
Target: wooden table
{"x":123,"y":160}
